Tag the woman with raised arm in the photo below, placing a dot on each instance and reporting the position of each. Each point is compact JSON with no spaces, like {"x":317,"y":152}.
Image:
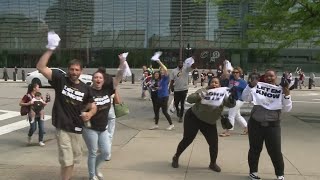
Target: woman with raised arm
{"x":163,"y":97}
{"x":236,"y":85}
{"x":95,"y":133}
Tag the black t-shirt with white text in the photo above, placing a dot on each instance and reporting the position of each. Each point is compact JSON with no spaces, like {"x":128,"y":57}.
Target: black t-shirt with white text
{"x":219,"y":73}
{"x":210,"y":75}
{"x":195,"y":74}
{"x":203,"y":76}
{"x":70,"y":100}
{"x":102,"y":98}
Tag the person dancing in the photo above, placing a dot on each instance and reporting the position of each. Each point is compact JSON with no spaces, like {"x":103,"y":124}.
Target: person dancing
{"x":203,"y":116}
{"x":162,"y":96}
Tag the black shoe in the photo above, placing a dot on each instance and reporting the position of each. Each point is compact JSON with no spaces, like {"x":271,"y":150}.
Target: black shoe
{"x":215,"y":167}
{"x":180,"y":120}
{"x":254,"y":176}
{"x":175,"y":163}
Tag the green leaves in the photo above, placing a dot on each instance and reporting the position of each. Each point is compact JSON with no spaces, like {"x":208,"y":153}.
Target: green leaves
{"x":275,"y":23}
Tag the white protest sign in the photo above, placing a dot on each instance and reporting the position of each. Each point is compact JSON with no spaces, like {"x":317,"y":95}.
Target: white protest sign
{"x":268,"y":96}
{"x":214,"y":97}
{"x":228,"y":65}
{"x":127,"y":71}
{"x":156,"y":56}
{"x":189,"y":61}
{"x":124,"y":55}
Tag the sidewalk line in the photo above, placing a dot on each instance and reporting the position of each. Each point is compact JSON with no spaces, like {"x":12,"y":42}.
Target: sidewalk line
{"x":186,"y":173}
{"x":292,"y":165}
{"x":17,"y":125}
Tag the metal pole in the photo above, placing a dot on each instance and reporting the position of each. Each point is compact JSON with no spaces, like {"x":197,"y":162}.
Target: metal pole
{"x":180,"y":53}
{"x":87,"y":52}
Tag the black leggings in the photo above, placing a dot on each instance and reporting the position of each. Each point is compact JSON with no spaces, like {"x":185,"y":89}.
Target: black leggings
{"x":154,"y":97}
{"x":190,"y":129}
{"x":271,"y":135}
{"x":180,"y":97}
{"x":163,"y":104}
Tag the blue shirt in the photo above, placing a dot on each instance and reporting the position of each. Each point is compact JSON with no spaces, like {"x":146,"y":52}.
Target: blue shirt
{"x":239,"y":85}
{"x":163,"y":87}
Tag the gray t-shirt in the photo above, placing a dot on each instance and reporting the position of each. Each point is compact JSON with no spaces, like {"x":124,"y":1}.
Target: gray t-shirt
{"x":180,"y":78}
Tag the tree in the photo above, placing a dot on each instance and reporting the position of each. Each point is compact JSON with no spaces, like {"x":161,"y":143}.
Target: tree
{"x":277,"y":24}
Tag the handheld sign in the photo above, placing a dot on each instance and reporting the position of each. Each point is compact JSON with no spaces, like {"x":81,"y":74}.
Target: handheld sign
{"x":188,"y":62}
{"x":156,"y":56}
{"x":228,"y":65}
{"x":268,"y":96}
{"x":124,"y":55}
{"x":127,"y":72}
{"x":214,"y":97}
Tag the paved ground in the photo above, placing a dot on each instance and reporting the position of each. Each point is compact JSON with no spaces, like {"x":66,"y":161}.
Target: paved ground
{"x":141,"y":154}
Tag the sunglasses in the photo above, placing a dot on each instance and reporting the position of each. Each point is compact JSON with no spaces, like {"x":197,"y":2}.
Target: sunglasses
{"x":235,"y":72}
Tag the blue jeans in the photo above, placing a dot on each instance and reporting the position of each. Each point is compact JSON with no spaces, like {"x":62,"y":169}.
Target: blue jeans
{"x":33,"y":127}
{"x":94,"y":140}
{"x":110,"y":128}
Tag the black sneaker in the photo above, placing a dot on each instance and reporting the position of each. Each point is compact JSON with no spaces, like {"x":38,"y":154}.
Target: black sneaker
{"x":215,"y":167}
{"x":175,"y":163}
{"x":180,"y":120}
{"x":254,"y":176}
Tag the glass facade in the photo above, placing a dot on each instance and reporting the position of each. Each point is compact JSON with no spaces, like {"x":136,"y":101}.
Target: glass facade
{"x":95,"y":31}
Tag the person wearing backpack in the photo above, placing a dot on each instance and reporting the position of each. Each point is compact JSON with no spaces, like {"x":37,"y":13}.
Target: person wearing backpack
{"x":26,"y":104}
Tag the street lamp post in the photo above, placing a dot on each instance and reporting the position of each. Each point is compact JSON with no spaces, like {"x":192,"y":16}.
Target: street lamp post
{"x":180,"y":53}
{"x":188,"y":49}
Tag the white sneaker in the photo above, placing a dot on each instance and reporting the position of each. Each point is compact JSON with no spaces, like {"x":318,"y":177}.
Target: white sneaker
{"x":29,"y":140}
{"x":171,"y":127}
{"x":41,"y":143}
{"x":154,"y":127}
{"x":280,"y":178}
{"x":99,"y":175}
{"x":94,"y":178}
{"x":254,"y":176}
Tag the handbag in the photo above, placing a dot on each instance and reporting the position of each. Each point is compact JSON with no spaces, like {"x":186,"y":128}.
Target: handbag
{"x":121,"y":110}
{"x":24,"y":110}
{"x":225,"y":123}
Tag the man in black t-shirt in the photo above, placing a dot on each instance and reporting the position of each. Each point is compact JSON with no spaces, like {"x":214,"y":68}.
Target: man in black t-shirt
{"x":203,"y":77}
{"x":195,"y":77}
{"x":209,"y":76}
{"x":71,"y":97}
{"x":219,"y":71}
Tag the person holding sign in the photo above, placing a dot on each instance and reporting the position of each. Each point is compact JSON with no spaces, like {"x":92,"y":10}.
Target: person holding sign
{"x":71,"y":96}
{"x":96,"y":134}
{"x":162,"y":93}
{"x":236,"y":85}
{"x":195,"y":77}
{"x":203,"y":115}
{"x":264,"y":123}
{"x":179,"y":83}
